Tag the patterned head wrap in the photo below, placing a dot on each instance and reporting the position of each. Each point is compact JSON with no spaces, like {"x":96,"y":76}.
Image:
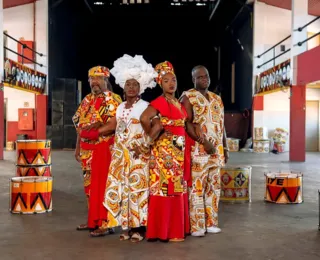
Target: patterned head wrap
{"x":162,"y":69}
{"x":99,"y":71}
{"x":128,"y":67}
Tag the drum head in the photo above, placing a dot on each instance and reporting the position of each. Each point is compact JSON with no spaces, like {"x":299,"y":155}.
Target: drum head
{"x":31,"y":179}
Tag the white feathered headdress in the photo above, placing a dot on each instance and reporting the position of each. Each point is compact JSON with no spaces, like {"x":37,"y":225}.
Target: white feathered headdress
{"x":128,"y":67}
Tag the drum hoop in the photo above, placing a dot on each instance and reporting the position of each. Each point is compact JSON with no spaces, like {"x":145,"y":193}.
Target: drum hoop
{"x":32,"y":141}
{"x":33,"y":165}
{"x":237,"y":168}
{"x":37,"y":179}
{"x":276,"y":175}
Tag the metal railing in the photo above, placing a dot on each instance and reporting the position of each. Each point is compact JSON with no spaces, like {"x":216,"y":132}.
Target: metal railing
{"x":24,"y":46}
{"x":274,"y":52}
{"x":273,"y":48}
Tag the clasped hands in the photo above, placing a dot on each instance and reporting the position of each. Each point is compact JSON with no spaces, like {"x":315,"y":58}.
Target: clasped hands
{"x":91,"y":132}
{"x":207,"y":145}
{"x":142,"y":148}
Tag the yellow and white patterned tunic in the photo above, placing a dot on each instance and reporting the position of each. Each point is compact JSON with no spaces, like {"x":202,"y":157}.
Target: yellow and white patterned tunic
{"x":209,"y":114}
{"x":127,"y":189}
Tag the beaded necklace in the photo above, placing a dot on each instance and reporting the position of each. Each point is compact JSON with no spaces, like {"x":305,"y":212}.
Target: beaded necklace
{"x":127,"y":111}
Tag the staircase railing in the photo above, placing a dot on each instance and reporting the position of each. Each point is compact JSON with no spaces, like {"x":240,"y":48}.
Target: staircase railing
{"x":24,"y":46}
{"x":19,"y":76}
{"x":273,"y":48}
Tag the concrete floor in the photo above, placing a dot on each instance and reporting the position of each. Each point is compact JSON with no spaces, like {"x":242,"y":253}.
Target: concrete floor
{"x":257,"y":230}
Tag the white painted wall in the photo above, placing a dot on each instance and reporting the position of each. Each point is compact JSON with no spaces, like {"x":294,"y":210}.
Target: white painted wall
{"x":271,"y":25}
{"x":276,"y":113}
{"x":18,"y":22}
{"x":16,"y":99}
{"x":314,"y":95}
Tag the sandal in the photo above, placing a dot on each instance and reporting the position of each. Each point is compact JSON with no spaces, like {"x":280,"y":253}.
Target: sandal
{"x":176,"y":240}
{"x":136,"y":237}
{"x":99,"y":232}
{"x":83,"y":227}
{"x":124,"y":236}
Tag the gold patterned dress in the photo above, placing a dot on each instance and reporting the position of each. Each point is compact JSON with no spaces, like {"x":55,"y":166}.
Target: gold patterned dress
{"x":168,"y":202}
{"x":127,"y":188}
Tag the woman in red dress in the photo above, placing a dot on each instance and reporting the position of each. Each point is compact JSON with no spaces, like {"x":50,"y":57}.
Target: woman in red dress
{"x":164,"y":122}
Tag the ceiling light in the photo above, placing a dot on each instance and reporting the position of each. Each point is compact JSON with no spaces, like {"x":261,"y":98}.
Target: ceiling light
{"x":98,"y":3}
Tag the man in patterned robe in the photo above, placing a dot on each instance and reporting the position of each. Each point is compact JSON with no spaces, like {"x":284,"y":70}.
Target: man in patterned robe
{"x":95,"y":110}
{"x":208,"y":150}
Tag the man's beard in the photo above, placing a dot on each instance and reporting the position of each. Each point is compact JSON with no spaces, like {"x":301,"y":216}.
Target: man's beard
{"x":96,"y":89}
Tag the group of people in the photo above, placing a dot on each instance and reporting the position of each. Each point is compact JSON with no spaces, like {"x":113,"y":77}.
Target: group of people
{"x":151,"y":168}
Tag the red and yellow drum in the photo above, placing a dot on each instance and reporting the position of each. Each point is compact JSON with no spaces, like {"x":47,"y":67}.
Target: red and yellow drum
{"x":235,"y":184}
{"x":30,"y":195}
{"x":33,"y":152}
{"x":284,"y":188}
{"x":37,"y":170}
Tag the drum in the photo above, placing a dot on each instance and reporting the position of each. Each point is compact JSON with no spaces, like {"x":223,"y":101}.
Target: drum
{"x":284,"y":188}
{"x":235,"y":184}
{"x":23,"y":171}
{"x":233,"y":144}
{"x":279,"y":147}
{"x":30,"y":195}
{"x":33,"y":152}
{"x":261,"y":146}
{"x":260,"y":133}
{"x":10,"y":146}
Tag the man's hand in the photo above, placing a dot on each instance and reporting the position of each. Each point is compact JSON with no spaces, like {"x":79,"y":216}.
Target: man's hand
{"x":136,"y":152}
{"x":94,"y":126}
{"x":208,"y":147}
{"x":226,"y":155}
{"x":199,"y":133}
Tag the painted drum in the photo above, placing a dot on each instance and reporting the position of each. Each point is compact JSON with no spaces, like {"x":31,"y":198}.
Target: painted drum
{"x":235,"y":184}
{"x":233,"y":144}
{"x":30,"y":195}
{"x":279,"y":147}
{"x":33,"y":152}
{"x":10,"y":146}
{"x":260,"y":133}
{"x":284,"y":188}
{"x":261,"y":146}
